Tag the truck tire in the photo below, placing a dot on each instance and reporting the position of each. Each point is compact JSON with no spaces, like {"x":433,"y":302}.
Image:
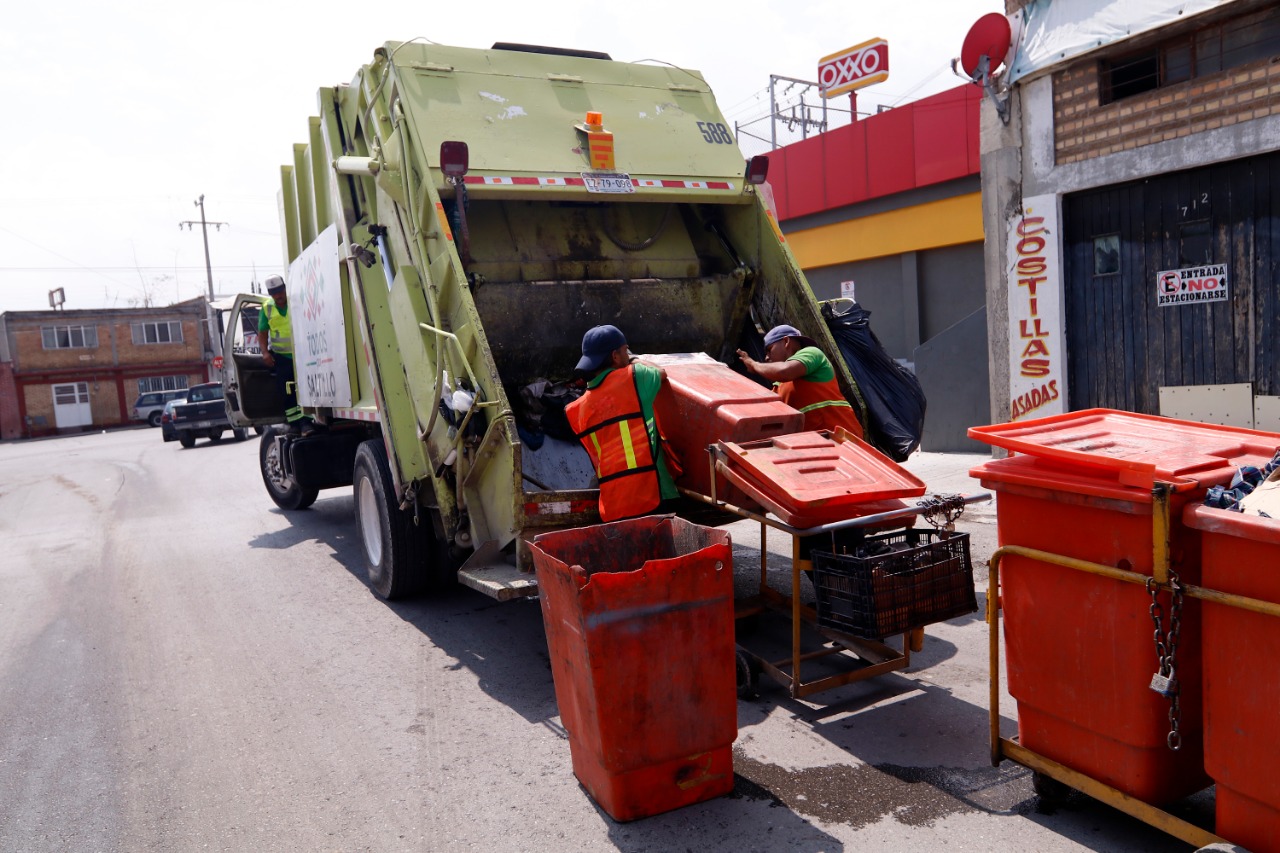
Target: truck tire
{"x":399,"y":554}
{"x":240,"y":433}
{"x":282,"y":488}
{"x":215,"y":435}
{"x":154,"y":419}
{"x":186,"y":439}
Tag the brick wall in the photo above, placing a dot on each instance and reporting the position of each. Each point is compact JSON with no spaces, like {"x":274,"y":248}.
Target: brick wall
{"x":1084,"y":129}
{"x":190,"y":349}
{"x":10,"y":423}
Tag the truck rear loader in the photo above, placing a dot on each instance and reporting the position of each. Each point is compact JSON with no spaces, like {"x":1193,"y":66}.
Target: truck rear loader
{"x":453,"y":223}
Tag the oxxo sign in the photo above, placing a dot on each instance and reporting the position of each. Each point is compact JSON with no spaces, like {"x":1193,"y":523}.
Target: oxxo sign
{"x":853,"y":68}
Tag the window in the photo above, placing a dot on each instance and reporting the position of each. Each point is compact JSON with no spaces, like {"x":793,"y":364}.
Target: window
{"x":161,"y":383}
{"x":1227,"y":44}
{"x":68,"y":337}
{"x":169,"y":332}
{"x":1195,"y":244}
{"x":69,"y":395}
{"x":1106,"y":254}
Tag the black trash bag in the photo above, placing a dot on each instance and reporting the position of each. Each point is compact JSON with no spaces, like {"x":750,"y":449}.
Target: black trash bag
{"x":554,"y":421}
{"x":895,"y":401}
{"x":542,"y":408}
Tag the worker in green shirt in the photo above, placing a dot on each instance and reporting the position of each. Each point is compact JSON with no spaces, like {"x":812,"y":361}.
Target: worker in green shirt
{"x":275,"y":339}
{"x":616,"y":424}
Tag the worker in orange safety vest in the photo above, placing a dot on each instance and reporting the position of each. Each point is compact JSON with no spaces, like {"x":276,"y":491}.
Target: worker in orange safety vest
{"x":805,"y":379}
{"x":615,"y":422}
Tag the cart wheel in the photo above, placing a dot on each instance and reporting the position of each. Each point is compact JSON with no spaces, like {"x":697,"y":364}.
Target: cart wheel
{"x":1050,"y":790}
{"x":747,"y":681}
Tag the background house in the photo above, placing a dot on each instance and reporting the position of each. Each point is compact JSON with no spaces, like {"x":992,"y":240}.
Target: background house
{"x":1131,"y":203}
{"x":66,"y":371}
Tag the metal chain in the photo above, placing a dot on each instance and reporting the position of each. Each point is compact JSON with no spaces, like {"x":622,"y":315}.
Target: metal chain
{"x":941,"y":511}
{"x":1167,"y":650}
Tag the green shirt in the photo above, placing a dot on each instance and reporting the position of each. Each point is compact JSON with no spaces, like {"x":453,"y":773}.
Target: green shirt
{"x":817,"y":367}
{"x":648,"y":383}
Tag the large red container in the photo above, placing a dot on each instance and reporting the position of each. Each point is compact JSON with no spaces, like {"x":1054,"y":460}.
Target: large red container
{"x":639,"y":621}
{"x":1079,"y":646}
{"x":1241,"y":554}
{"x":808,"y":479}
{"x":709,"y":402}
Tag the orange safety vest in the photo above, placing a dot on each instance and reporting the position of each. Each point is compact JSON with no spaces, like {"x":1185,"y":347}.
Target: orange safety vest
{"x":610,"y":424}
{"x":823,"y":405}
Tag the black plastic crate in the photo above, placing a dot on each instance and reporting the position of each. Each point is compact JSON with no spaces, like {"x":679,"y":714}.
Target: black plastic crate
{"x":894,"y":582}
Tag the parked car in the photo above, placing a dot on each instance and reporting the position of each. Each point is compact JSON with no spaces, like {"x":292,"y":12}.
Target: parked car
{"x":203,"y":415}
{"x":150,"y":406}
{"x":167,"y":432}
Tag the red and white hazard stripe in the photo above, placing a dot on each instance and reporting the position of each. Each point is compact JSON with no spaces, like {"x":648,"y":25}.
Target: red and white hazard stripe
{"x":357,"y":415}
{"x":535,"y":181}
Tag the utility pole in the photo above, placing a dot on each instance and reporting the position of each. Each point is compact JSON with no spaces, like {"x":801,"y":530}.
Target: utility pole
{"x":215,"y":328}
{"x":204,"y":229}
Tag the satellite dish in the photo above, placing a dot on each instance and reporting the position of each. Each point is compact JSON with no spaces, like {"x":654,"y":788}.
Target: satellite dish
{"x":988,"y":39}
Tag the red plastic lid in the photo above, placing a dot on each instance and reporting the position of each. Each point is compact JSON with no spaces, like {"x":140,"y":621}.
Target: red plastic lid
{"x":806,"y":471}
{"x":1042,"y":478}
{"x":1140,"y":448}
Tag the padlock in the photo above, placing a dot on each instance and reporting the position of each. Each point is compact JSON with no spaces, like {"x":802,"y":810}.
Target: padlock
{"x":1165,"y":685}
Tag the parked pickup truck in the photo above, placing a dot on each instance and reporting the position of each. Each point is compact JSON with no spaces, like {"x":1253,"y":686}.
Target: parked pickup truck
{"x":203,"y":415}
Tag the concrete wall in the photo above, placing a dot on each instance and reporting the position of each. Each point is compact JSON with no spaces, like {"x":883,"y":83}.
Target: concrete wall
{"x":954,"y":377}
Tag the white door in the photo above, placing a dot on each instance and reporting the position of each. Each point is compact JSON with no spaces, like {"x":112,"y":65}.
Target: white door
{"x":71,"y":405}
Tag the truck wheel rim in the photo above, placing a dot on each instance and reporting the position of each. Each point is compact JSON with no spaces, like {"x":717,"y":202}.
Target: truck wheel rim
{"x":370,"y":524}
{"x":274,"y":471}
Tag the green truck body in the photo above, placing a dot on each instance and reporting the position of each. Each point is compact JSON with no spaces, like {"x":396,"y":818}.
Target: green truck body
{"x":485,"y":282}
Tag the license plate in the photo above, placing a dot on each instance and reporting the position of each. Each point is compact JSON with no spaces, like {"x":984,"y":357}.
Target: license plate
{"x":203,"y":424}
{"x":608,"y":182}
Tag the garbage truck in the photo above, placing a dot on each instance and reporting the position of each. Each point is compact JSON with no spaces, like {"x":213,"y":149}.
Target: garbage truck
{"x":453,"y":221}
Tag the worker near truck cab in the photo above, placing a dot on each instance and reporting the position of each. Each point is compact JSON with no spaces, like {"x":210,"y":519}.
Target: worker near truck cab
{"x":805,"y":379}
{"x":275,"y":339}
{"x":615,"y":422}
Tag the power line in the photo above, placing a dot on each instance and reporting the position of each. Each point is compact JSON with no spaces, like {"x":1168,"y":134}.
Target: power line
{"x":98,"y":270}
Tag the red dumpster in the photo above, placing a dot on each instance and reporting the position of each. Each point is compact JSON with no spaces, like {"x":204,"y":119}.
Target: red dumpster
{"x":639,"y":621}
{"x":1241,"y":555}
{"x":1079,"y":646}
{"x":709,"y":402}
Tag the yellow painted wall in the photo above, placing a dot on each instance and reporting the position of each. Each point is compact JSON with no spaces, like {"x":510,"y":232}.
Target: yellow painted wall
{"x":948,"y":222}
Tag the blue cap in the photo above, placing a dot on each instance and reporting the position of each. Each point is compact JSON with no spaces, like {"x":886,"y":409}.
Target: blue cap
{"x":597,"y":344}
{"x":777,"y":333}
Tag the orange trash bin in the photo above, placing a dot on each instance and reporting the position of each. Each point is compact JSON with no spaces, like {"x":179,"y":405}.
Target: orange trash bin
{"x":1079,"y":647}
{"x":639,"y":622}
{"x":1241,"y":555}
{"x":706,"y":402}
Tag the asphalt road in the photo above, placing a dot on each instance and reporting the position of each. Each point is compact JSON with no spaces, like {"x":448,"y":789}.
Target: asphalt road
{"x":185,"y":667}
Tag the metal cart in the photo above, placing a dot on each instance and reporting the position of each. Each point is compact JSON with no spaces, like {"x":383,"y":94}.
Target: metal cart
{"x":779,"y":635}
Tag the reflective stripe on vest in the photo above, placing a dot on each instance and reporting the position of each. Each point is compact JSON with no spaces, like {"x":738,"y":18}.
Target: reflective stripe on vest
{"x":280,"y":330}
{"x":610,"y":424}
{"x":823,"y":405}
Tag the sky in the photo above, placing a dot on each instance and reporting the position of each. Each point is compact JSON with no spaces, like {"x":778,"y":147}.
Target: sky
{"x":122,"y":115}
